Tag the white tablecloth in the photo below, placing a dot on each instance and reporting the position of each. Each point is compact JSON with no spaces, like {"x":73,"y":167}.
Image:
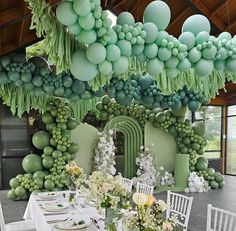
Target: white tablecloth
{"x":37,"y":214}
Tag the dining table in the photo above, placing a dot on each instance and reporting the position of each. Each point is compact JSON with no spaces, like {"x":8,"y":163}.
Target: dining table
{"x":45,"y":220}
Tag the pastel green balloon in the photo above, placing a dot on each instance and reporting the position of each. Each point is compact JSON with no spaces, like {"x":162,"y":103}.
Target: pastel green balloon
{"x":32,"y":163}
{"x":154,"y":66}
{"x":157,"y":12}
{"x":187,"y":38}
{"x":113,"y":38}
{"x":225,"y":35}
{"x":161,"y":35}
{"x":151,"y":30}
{"x":204,"y":67}
{"x":74,"y":29}
{"x":172,"y":73}
{"x":194,"y":55}
{"x":196,"y":23}
{"x":137,"y":49}
{"x":87,"y":22}
{"x":219,"y":64}
{"x":184,"y":65}
{"x":151,"y":50}
{"x":121,"y":65}
{"x":66,"y":14}
{"x":142,"y":58}
{"x":11,"y":194}
{"x":96,"y":53}
{"x":209,"y":53}
{"x":125,"y":18}
{"x":82,"y":7}
{"x":231,"y":65}
{"x":172,"y":62}
{"x":81,"y":68}
{"x":125,"y":47}
{"x":202,"y":37}
{"x":105,"y":67}
{"x":113,"y":52}
{"x":87,"y":36}
{"x":164,"y":53}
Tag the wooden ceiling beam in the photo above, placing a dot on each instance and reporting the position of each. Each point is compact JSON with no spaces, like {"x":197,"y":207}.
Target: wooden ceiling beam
{"x":180,"y":17}
{"x":207,"y":12}
{"x":118,"y":3}
{"x":137,"y":5}
{"x":219,"y":8}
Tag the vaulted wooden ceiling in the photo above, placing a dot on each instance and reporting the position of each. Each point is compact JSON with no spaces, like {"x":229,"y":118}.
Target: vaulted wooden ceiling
{"x":15,"y":17}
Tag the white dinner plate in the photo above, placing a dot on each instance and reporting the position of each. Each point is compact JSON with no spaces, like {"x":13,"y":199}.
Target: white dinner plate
{"x":47,"y":195}
{"x":55,"y":207}
{"x":91,"y":203}
{"x":72,"y":225}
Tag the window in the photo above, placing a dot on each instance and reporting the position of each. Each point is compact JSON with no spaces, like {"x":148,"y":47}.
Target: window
{"x":231,"y":140}
{"x":213,"y":120}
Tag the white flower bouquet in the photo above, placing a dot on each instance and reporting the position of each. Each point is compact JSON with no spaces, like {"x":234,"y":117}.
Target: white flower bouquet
{"x":146,"y":172}
{"x":104,"y":159}
{"x":164,"y":178}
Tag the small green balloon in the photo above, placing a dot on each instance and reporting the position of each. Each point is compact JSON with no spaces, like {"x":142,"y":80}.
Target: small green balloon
{"x":105,"y":67}
{"x":152,"y":32}
{"x":188,"y":39}
{"x":11,"y":194}
{"x":172,"y":73}
{"x":202,"y":37}
{"x":151,"y":50}
{"x":125,"y":47}
{"x":74,"y":29}
{"x":194,"y":55}
{"x":87,"y":36}
{"x":204,"y":67}
{"x":164,"y":53}
{"x":184,"y":65}
{"x":219,"y":64}
{"x":172,"y":62}
{"x":125,"y":18}
{"x":137,"y":49}
{"x":231,"y":65}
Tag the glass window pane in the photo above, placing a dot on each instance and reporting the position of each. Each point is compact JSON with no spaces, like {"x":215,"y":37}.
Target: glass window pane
{"x":231,"y":145}
{"x":232,"y":110}
{"x":212,"y":155}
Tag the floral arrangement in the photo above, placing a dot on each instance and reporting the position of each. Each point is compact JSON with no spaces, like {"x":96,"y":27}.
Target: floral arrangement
{"x":164,"y":178}
{"x":105,"y":153}
{"x":149,"y":216}
{"x":146,"y":172}
{"x":107,"y":190}
{"x":197,"y":184}
{"x":74,"y":175}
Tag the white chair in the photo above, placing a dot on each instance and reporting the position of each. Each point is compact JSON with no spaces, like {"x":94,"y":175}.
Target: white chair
{"x":26,"y":225}
{"x":181,"y":206}
{"x":145,"y":189}
{"x":220,"y":219}
{"x":128,"y":184}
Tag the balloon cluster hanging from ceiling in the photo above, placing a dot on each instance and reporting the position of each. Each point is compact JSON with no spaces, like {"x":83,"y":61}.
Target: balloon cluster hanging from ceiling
{"x":109,"y":49}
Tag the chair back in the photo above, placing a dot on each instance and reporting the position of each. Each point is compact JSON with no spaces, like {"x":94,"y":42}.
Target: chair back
{"x":128,"y":184}
{"x":145,"y":189}
{"x":179,"y":205}
{"x":2,"y":222}
{"x":220,"y":219}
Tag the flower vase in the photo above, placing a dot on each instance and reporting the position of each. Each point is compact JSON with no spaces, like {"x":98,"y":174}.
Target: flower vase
{"x":110,"y":225}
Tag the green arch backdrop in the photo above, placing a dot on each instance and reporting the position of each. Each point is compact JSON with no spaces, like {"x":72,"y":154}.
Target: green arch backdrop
{"x":133,"y":140}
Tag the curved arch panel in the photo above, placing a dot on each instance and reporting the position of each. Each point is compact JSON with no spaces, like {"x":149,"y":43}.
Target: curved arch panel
{"x":133,"y":140}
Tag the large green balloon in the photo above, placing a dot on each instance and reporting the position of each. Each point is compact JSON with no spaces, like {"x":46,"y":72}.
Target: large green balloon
{"x":11,"y":194}
{"x":151,"y":30}
{"x":157,"y":12}
{"x":172,"y":62}
{"x":184,"y":65}
{"x":113,"y":52}
{"x":196,"y":23}
{"x":209,"y":53}
{"x":82,"y":7}
{"x":74,"y":29}
{"x":14,"y":182}
{"x":49,"y":184}
{"x":121,"y":65}
{"x":96,"y":53}
{"x":225,"y":35}
{"x":20,"y":191}
{"x":87,"y":22}
{"x":199,"y":128}
{"x":137,"y":49}
{"x":204,"y":67}
{"x":194,"y":105}
{"x":125,"y":47}
{"x":151,"y":50}
{"x":81,"y":68}
{"x":154,"y":66}
{"x":125,"y":18}
{"x":39,"y":174}
{"x":172,"y":73}
{"x":202,"y":37}
{"x":188,"y":39}
{"x":32,"y":163}
{"x":65,"y":14}
{"x":219,"y":64}
{"x":87,"y":36}
{"x":41,"y":139}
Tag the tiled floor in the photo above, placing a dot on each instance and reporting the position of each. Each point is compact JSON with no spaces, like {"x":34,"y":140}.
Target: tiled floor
{"x":223,"y":198}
